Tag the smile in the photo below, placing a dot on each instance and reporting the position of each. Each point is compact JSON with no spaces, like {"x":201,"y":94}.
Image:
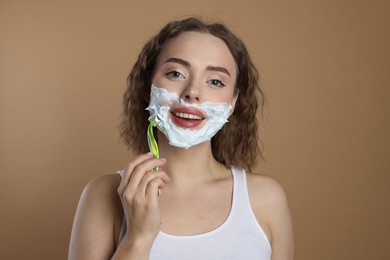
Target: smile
{"x":188,"y":116}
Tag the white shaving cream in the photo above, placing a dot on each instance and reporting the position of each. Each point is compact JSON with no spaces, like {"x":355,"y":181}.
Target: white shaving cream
{"x":161,"y":101}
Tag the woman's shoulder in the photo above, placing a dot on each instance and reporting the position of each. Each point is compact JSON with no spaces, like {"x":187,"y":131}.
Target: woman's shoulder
{"x":269,"y":203}
{"x":266,"y":187}
{"x":102,"y":191}
{"x":103,"y":184}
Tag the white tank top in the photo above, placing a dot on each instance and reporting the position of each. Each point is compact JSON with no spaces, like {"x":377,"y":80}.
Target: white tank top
{"x":239,"y":237}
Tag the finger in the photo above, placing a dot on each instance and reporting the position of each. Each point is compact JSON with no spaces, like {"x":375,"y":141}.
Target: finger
{"x":143,"y":168}
{"x":152,"y":189}
{"x":137,"y":197}
{"x":130,"y":168}
{"x":150,"y":176}
{"x":139,"y":172}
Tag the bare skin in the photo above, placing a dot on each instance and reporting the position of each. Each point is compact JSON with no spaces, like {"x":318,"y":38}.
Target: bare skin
{"x":193,"y":183}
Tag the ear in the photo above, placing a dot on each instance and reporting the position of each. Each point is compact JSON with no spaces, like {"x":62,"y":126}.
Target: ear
{"x":233,"y":103}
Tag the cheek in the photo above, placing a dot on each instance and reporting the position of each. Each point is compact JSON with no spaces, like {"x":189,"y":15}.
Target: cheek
{"x":155,"y":80}
{"x":158,"y":78}
{"x":226,"y":97}
{"x":160,"y":82}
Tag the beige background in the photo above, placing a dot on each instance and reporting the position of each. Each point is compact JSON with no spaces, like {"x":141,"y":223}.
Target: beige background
{"x":325,"y":67}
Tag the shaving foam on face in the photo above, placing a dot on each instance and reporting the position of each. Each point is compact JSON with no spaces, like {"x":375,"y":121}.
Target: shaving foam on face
{"x":161,"y":101}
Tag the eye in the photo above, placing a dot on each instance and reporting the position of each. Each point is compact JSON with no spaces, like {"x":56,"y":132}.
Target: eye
{"x":174,"y":75}
{"x":216,"y":82}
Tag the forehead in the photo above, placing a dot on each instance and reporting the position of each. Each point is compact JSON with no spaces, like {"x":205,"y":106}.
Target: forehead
{"x":199,"y":49}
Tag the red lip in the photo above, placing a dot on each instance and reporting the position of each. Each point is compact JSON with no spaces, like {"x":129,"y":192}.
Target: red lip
{"x":186,"y":122}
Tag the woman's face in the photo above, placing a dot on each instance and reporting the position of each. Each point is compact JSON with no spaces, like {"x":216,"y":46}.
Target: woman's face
{"x":198,"y":67}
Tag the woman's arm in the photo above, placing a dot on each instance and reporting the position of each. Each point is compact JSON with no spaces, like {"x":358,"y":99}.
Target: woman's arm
{"x":271,"y":208}
{"x":93,"y":228}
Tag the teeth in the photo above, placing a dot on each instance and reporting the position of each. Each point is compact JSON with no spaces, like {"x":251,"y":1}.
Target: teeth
{"x":188,"y":116}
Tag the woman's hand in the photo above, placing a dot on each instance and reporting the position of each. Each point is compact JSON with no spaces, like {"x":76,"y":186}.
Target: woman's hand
{"x":138,"y":191}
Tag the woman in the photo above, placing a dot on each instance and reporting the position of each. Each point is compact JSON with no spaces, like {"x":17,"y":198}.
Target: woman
{"x":199,"y":86}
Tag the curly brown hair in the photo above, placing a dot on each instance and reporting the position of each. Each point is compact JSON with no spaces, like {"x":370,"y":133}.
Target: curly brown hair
{"x":237,"y":143}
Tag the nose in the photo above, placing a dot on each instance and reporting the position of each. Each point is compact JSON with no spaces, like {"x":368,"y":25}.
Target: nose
{"x":192,"y":93}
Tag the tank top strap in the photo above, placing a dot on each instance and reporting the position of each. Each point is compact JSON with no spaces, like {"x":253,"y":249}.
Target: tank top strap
{"x":121,"y":173}
{"x":241,"y":210}
{"x":240,"y":203}
{"x":123,"y":225}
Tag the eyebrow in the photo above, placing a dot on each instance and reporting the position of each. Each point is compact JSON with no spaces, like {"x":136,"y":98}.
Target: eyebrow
{"x":220,"y":69}
{"x":180,"y":61}
{"x":187,"y":64}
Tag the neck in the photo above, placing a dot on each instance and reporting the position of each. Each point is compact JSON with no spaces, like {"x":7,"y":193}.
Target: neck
{"x":190,"y":166}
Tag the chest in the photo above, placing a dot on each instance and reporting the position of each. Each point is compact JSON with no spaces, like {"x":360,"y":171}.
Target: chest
{"x":195,"y":211}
